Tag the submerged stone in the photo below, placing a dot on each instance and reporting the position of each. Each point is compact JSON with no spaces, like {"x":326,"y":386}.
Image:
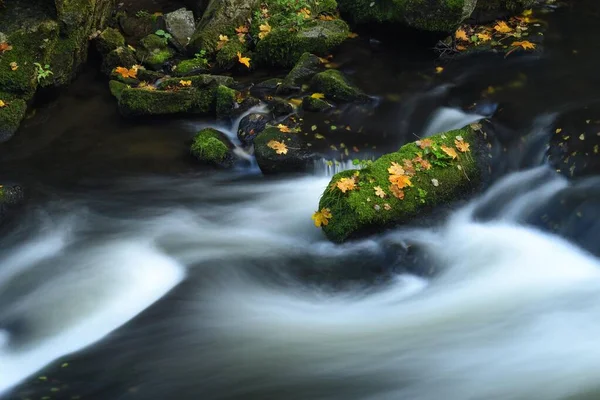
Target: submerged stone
{"x":212,"y":147}
{"x":401,"y":186}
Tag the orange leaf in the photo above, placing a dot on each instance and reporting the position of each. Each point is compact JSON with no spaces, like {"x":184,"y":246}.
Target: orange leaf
{"x":409,"y":168}
{"x":502,"y":27}
{"x":126,"y":72}
{"x":283,"y":128}
{"x":243,"y":60}
{"x":450,"y":151}
{"x":241,"y":29}
{"x":322,"y":217}
{"x":524,"y":44}
{"x":326,"y":18}
{"x":279,"y":147}
{"x":352,"y":35}
{"x":265,"y":29}
{"x":401,"y":181}
{"x":460,"y":34}
{"x":379,"y":191}
{"x":425,"y":143}
{"x":346,"y":184}
{"x":461,"y":145}
{"x":5,"y":47}
{"x":396,"y":169}
{"x":397,"y":192}
{"x":426,"y":165}
{"x":305,"y":12}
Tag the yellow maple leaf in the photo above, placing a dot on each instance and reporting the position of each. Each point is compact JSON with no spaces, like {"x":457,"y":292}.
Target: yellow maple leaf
{"x":396,"y":169}
{"x":284,"y":128}
{"x":439,"y":70}
{"x":14,"y":66}
{"x":424,"y":143}
{"x":397,"y":192}
{"x":241,"y":29}
{"x":243,"y":60}
{"x":527,"y":13}
{"x":346,"y":184}
{"x":265,"y":29}
{"x":185,"y":83}
{"x":502,"y":27}
{"x":317,"y":95}
{"x":326,"y":17}
{"x":450,"y":151}
{"x":460,"y":34}
{"x":461,"y":145}
{"x":126,"y":72}
{"x":401,"y":181}
{"x":305,"y":12}
{"x":279,"y":147}
{"x":2,"y":104}
{"x":524,"y":44}
{"x":484,"y":37}
{"x":379,"y":192}
{"x":223,"y":39}
{"x":322,"y":217}
{"x":387,"y":206}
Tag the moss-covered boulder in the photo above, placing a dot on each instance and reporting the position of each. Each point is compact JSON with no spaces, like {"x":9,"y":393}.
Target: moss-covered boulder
{"x":120,"y":57}
{"x":146,"y":102}
{"x":251,"y":125}
{"x":193,"y":66}
{"x":12,"y":112}
{"x":313,"y":104}
{"x":227,"y":57}
{"x":116,"y":88}
{"x":401,"y":186}
{"x":221,"y":18}
{"x":283,"y":48}
{"x":110,"y":39}
{"x":336,"y":87}
{"x":431,"y":15}
{"x":198,"y":81}
{"x":281,"y":152}
{"x":225,"y":101}
{"x":212,"y":147}
{"x":154,"y":51}
{"x":136,"y":27}
{"x":306,"y":67}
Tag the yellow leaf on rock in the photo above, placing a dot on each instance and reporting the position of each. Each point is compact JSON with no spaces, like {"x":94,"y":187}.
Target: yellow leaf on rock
{"x":265,"y":29}
{"x":502,"y":27}
{"x":346,"y":184}
{"x":322,"y":217}
{"x":379,"y":191}
{"x":223,"y":39}
{"x":2,"y":104}
{"x":317,"y":95}
{"x":279,"y":147}
{"x":424,"y":143}
{"x":396,"y":169}
{"x":461,"y":145}
{"x":185,"y":83}
{"x":284,"y":128}
{"x":484,"y":37}
{"x":450,"y":151}
{"x":241,"y":29}
{"x":524,"y":44}
{"x":126,"y":72}
{"x":460,"y":34}
{"x":243,"y":60}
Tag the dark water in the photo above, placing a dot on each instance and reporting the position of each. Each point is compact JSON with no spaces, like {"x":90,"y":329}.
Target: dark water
{"x":254,"y":303}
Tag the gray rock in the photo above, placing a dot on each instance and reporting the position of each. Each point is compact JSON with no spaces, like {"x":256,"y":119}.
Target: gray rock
{"x":181,"y":25}
{"x":305,"y":68}
{"x":250,"y":126}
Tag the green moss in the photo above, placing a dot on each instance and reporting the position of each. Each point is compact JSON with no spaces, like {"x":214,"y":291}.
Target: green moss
{"x":116,"y":88}
{"x":198,"y":81}
{"x":224,"y":101}
{"x":67,"y":54}
{"x":317,"y":105}
{"x":120,"y":57}
{"x":360,"y":210}
{"x":284,"y":48}
{"x":154,"y":51}
{"x":188,"y":67}
{"x":227,"y":56}
{"x":11,"y":115}
{"x":295,"y":160}
{"x":139,"y":102}
{"x":109,"y":40}
{"x":209,"y":146}
{"x":504,"y":5}
{"x":336,"y":87}
{"x":147,"y":75}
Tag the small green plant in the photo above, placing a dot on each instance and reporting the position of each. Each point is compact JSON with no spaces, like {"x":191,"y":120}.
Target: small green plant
{"x":201,"y":55}
{"x":143,"y":14}
{"x":43,"y":72}
{"x":165,"y":35}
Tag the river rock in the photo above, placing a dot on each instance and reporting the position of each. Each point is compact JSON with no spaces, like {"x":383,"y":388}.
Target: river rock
{"x":250,"y":126}
{"x":400,"y":186}
{"x":434,"y":15}
{"x":221,"y":16}
{"x":295,"y":157}
{"x":144,"y":102}
{"x":306,"y":67}
{"x":283,"y":48}
{"x":313,"y":104}
{"x":110,"y":39}
{"x":119,"y":57}
{"x":225,"y":101}
{"x":336,"y":87}
{"x":213,"y":147}
{"x":11,"y":115}
{"x":10,"y":197}
{"x":181,"y":25}
{"x":154,"y":51}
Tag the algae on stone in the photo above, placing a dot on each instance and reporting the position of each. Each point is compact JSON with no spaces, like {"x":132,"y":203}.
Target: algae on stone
{"x":143,"y":102}
{"x":336,"y":87}
{"x":225,"y":101}
{"x":306,"y":67}
{"x":361,"y":210}
{"x":212,"y":147}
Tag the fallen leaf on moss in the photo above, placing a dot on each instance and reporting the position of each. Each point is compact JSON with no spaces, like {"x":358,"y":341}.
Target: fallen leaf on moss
{"x":379,"y":192}
{"x":450,"y":151}
{"x":396,"y":169}
{"x":460,"y":34}
{"x":223,"y":39}
{"x":13,"y":66}
{"x":279,"y":147}
{"x":185,"y":83}
{"x":502,"y":27}
{"x":346,"y":184}
{"x":397,"y":192}
{"x":401,"y":181}
{"x":326,"y":17}
{"x":284,"y":128}
{"x":387,"y":207}
{"x":484,"y":37}
{"x":2,"y":104}
{"x":304,"y":12}
{"x":461,"y":145}
{"x":322,"y":217}
{"x":243,"y":60}
{"x":424,"y":143}
{"x":409,"y":168}
{"x":126,"y":72}
{"x":241,"y":29}
{"x":317,"y":95}
{"x":5,"y":47}
{"x":265,"y":29}
{"x":426,"y":165}
{"x":525,"y":44}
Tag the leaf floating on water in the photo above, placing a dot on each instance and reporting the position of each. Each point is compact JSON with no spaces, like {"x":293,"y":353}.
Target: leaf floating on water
{"x":582,"y":137}
{"x":502,"y":27}
{"x":279,"y":147}
{"x":460,"y":34}
{"x":322,"y":217}
{"x":284,"y":128}
{"x":313,"y":128}
{"x":319,"y":136}
{"x":346,"y":184}
{"x":525,"y":44}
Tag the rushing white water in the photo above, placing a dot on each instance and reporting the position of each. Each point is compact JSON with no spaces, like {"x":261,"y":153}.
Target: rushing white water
{"x":447,"y":119}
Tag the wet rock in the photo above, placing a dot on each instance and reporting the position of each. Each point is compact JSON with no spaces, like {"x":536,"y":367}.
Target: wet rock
{"x":227,"y":57}
{"x":120,"y":57}
{"x":213,"y":147}
{"x":181,"y":25}
{"x":283,"y":48}
{"x":154,"y":51}
{"x":296,"y":158}
{"x":434,"y":15}
{"x":147,"y":75}
{"x":193,"y":66}
{"x":336,"y":87}
{"x":280,"y":107}
{"x":371,"y":200}
{"x":11,"y":115}
{"x":199,"y":81}
{"x":221,"y":16}
{"x":306,"y":67}
{"x":144,"y":102}
{"x":225,"y":101}
{"x":10,"y":197}
{"x":315,"y":105}
{"x":250,"y":126}
{"x":110,"y":39}
{"x":270,"y":85}
{"x":136,"y":28}
{"x":493,"y":9}
{"x":116,"y":88}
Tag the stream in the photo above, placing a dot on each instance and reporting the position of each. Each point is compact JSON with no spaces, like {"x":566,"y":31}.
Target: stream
{"x":133,"y":273}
